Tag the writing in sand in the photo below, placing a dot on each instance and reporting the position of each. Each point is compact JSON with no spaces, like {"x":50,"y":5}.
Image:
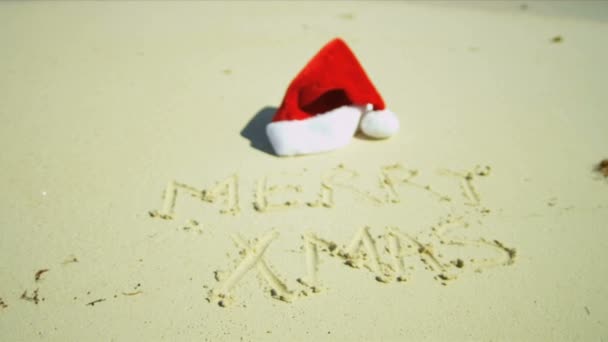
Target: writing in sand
{"x":390,"y":254}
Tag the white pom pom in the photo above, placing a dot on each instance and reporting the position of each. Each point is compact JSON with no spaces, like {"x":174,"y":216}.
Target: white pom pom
{"x":379,"y":124}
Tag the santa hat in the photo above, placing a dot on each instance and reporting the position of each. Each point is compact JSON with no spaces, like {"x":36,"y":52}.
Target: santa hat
{"x":325,"y":103}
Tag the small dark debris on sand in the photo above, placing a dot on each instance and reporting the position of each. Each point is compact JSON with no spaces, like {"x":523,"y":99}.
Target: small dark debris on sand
{"x":34,"y":298}
{"x":134,"y":293}
{"x":96,"y":301}
{"x":39,"y":273}
{"x":602,"y":167}
{"x":69,"y":260}
{"x":557,"y":39}
{"x":3,"y":305}
{"x":458,"y":263}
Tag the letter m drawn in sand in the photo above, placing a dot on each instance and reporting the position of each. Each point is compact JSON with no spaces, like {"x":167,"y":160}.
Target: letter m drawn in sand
{"x":226,"y":189}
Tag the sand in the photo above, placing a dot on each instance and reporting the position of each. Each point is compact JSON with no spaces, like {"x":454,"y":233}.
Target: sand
{"x":141,"y":200}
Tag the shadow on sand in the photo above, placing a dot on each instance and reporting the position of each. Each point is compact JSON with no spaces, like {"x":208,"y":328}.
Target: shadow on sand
{"x":255,"y":130}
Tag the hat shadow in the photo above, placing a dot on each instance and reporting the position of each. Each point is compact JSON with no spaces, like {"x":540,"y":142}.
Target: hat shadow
{"x":255,"y":130}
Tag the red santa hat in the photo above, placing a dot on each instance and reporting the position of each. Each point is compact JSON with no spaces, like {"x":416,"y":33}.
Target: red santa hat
{"x":326,"y":103}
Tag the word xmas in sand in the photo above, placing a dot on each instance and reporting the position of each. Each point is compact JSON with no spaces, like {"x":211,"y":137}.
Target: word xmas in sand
{"x":389,"y":254}
{"x":390,"y":257}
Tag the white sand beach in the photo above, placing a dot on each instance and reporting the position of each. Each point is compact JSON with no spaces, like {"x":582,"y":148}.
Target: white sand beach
{"x":141,"y":200}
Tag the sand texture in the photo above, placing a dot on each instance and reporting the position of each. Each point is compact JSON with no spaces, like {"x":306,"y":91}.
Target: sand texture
{"x":141,"y":201}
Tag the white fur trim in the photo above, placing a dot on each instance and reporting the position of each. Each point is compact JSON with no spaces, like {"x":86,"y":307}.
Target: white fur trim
{"x":321,"y":133}
{"x":379,"y":124}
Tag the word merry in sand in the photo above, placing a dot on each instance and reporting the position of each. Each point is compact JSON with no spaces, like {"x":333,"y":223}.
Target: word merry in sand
{"x":390,"y":179}
{"x":390,"y":257}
